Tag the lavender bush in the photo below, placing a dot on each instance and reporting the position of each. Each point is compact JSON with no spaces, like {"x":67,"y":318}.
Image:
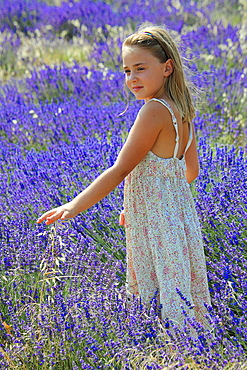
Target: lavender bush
{"x":63,"y":303}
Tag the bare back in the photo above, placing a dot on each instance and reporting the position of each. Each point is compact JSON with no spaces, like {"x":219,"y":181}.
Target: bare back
{"x":165,"y":143}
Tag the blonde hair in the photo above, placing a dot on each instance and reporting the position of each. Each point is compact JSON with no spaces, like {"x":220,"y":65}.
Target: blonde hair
{"x":159,"y":42}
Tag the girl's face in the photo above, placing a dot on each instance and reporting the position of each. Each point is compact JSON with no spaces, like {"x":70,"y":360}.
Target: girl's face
{"x":144,"y":74}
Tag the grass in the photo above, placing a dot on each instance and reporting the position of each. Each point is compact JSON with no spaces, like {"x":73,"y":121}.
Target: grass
{"x":36,"y":50}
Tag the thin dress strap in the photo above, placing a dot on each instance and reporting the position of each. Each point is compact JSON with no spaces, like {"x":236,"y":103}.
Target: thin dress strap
{"x":174,"y":121}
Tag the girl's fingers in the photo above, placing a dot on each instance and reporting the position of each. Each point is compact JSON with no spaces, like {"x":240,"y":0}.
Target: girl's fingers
{"x":64,"y":215}
{"x":55,"y":216}
{"x":63,"y":212}
{"x":122,"y":219}
{"x":45,"y":216}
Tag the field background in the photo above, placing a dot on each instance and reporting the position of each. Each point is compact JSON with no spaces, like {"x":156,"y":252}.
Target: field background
{"x":62,"y":289}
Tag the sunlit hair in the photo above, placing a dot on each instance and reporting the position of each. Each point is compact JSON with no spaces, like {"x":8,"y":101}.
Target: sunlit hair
{"x":161,"y":45}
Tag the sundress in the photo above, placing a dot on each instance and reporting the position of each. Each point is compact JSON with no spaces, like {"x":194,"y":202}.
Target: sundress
{"x":163,"y":238}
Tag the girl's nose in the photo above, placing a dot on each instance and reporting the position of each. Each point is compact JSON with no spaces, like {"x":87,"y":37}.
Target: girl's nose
{"x":132,"y":77}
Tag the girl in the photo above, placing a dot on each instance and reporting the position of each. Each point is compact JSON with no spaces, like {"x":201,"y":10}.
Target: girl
{"x":158,"y":161}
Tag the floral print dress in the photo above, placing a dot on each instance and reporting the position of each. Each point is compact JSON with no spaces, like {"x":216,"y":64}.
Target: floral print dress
{"x":164,"y":242}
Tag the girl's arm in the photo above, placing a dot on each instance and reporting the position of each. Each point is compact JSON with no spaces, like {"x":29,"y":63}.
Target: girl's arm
{"x":191,"y":159}
{"x":141,"y":139}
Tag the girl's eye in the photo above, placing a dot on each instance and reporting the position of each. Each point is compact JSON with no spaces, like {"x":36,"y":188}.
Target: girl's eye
{"x":140,"y":69}
{"x":126,"y":71}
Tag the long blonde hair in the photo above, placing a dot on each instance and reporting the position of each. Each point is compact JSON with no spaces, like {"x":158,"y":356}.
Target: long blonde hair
{"x":161,"y":45}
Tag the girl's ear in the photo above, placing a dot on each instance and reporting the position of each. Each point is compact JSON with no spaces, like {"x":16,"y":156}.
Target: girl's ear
{"x":168,"y":67}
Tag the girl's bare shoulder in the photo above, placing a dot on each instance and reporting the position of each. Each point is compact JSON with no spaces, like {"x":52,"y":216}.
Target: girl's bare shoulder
{"x":154,"y":109}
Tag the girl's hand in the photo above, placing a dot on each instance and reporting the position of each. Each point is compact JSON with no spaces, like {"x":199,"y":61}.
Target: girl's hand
{"x":122,"y":219}
{"x":60,"y":213}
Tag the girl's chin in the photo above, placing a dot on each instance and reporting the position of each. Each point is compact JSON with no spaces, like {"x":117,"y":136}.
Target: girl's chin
{"x":139,"y":96}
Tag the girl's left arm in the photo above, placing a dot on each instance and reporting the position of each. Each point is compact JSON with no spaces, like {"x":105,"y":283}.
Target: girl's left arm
{"x":141,"y":138}
{"x":191,"y":159}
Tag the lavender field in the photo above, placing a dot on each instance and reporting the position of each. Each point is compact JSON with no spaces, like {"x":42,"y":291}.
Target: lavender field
{"x":62,"y":288}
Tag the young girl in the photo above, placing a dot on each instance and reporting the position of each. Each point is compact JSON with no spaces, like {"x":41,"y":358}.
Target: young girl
{"x":158,"y":161}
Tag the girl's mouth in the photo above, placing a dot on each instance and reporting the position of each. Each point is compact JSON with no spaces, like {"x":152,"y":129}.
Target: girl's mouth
{"x":136,"y":88}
